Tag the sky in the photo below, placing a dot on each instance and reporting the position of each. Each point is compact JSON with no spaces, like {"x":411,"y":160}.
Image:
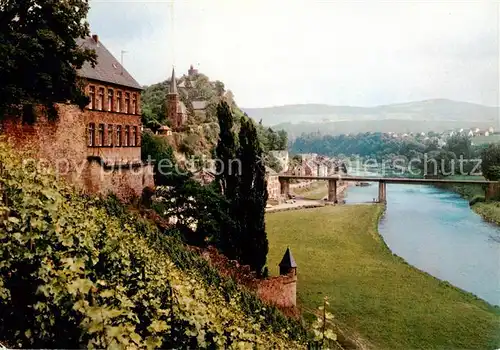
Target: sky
{"x":278,"y":52}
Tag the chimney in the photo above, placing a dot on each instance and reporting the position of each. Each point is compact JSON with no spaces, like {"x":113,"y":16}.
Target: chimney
{"x":96,"y":38}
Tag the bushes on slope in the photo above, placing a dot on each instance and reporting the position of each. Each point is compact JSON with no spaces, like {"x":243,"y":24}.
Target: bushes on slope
{"x":72,"y":275}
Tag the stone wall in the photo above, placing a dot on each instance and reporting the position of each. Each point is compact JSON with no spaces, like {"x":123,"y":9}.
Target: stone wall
{"x":63,"y":143}
{"x":125,"y":182}
{"x":59,"y":143}
{"x":273,"y":187}
{"x":280,"y":291}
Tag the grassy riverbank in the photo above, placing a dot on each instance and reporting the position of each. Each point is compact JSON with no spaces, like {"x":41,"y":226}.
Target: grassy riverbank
{"x":466,"y":191}
{"x":490,"y":210}
{"x":317,"y":190}
{"x":375,"y":295}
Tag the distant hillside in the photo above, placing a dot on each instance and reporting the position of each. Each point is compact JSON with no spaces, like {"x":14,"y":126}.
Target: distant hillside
{"x":436,"y":115}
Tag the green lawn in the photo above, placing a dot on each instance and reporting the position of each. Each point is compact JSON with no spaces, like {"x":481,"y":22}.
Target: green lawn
{"x":375,"y":295}
{"x":317,"y":190}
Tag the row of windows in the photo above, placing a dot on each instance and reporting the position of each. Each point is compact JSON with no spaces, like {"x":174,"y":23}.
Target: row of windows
{"x":113,"y":135}
{"x":121,"y":102}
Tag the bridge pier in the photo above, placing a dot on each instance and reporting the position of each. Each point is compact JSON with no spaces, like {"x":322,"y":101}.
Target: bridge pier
{"x":332,"y":191}
{"x":492,"y":191}
{"x":382,"y":196}
{"x":285,"y":187}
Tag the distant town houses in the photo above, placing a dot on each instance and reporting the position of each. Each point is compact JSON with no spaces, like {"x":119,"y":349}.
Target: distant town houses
{"x":317,"y":165}
{"x":441,"y":137}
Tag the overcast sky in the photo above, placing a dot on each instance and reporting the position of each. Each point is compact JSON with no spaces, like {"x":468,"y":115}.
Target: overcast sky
{"x":274,"y":52}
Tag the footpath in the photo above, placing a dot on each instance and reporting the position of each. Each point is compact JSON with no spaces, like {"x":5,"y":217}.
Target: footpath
{"x":303,"y":203}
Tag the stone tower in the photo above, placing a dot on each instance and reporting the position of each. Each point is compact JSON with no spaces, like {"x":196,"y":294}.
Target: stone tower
{"x":173,"y":102}
{"x":192,"y":71}
{"x":288,"y":266}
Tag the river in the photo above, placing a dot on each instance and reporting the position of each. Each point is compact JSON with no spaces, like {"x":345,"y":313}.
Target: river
{"x":436,"y":231}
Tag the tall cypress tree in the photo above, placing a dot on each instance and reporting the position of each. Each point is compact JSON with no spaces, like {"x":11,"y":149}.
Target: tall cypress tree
{"x":225,"y":152}
{"x":227,"y":180}
{"x":252,"y":199}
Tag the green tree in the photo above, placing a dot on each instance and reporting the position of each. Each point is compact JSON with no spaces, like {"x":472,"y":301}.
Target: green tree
{"x":252,"y":199}
{"x":460,"y":145}
{"x":227,"y":179}
{"x":225,"y":151}
{"x":282,"y":140}
{"x":154,"y":108}
{"x":156,"y":149}
{"x":39,"y":54}
{"x":219,"y":88}
{"x":490,"y":162}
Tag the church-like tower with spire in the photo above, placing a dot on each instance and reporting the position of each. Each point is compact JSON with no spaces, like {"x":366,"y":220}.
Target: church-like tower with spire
{"x":176,"y":111}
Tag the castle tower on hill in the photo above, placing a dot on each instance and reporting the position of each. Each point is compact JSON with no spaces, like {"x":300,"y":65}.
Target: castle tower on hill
{"x":176,"y":110}
{"x":192,"y":71}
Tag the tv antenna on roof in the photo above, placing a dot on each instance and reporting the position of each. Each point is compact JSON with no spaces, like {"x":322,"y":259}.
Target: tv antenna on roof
{"x":121,"y":59}
{"x":172,"y":30}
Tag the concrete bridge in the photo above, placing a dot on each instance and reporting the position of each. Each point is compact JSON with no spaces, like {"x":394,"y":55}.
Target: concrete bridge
{"x":491,"y":187}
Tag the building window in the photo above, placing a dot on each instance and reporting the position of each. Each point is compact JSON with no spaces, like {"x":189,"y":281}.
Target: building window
{"x":127,"y":136}
{"x":134,"y":136}
{"x":118,"y":101}
{"x":110,"y":135}
{"x":100,"y":99}
{"x":92,"y":97}
{"x":91,"y":135}
{"x":127,"y":102}
{"x":137,"y":133}
{"x":100,"y":140}
{"x":134,"y":104}
{"x":118,"y":135}
{"x":110,"y":100}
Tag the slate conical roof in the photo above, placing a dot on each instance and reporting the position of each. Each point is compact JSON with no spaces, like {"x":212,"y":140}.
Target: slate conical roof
{"x":173,"y":84}
{"x":288,"y":260}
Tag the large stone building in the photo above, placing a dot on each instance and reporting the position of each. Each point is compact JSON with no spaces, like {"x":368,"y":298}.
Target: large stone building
{"x":97,"y":148}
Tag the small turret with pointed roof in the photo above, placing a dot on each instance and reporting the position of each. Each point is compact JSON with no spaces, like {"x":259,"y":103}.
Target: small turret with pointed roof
{"x":288,"y":264}
{"x":173,"y":84}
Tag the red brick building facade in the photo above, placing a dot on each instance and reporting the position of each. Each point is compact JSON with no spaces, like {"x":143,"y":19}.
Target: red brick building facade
{"x":98,"y":148}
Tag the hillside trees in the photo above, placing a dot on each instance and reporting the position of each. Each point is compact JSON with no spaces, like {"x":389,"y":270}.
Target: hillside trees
{"x":440,"y":160}
{"x":199,"y":212}
{"x":39,"y":54}
{"x":204,"y":123}
{"x":271,"y":140}
{"x":154,"y":110}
